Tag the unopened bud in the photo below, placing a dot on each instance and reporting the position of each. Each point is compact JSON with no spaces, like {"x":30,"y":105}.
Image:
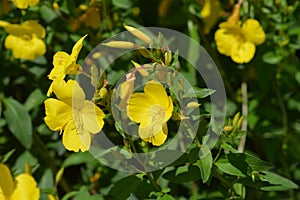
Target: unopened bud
{"x":239,"y":124}
{"x":139,"y":34}
{"x":235,"y":15}
{"x":140,"y":69}
{"x":168,"y":57}
{"x":236,"y":118}
{"x":55,"y":6}
{"x":193,"y":105}
{"x":102,"y":93}
{"x":228,"y":128}
{"x":119,"y":44}
{"x":127,"y":88}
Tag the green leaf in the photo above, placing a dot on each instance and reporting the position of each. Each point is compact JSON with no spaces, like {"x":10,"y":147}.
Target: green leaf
{"x":240,"y":164}
{"x":35,"y":99}
{"x":124,"y":187}
{"x":83,"y":193}
{"x":47,"y":180}
{"x":205,"y":163}
{"x":166,"y":197}
{"x":47,"y":13}
{"x":269,"y":181}
{"x":125,"y":4}
{"x":4,"y":158}
{"x":77,"y":159}
{"x":198,"y":92}
{"x":194,"y":154}
{"x":183,"y":174}
{"x":272,"y":58}
{"x":225,"y":166}
{"x":25,"y":158}
{"x":278,"y":183}
{"x":19,"y":122}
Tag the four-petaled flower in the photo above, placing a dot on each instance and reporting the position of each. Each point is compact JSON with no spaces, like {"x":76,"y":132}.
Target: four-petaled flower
{"x":239,"y":42}
{"x":71,"y":114}
{"x":25,"y":40}
{"x":152,"y":109}
{"x":24,"y":187}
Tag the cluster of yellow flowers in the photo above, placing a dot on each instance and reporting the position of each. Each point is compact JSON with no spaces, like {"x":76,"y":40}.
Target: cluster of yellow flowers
{"x":70,"y":113}
{"x":25,"y":40}
{"x":78,"y":118}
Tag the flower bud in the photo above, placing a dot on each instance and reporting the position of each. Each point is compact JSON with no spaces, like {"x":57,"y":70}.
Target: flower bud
{"x":102,"y":92}
{"x":239,"y":124}
{"x":193,"y":105}
{"x":236,"y":118}
{"x":140,"y":69}
{"x":235,"y":15}
{"x":119,"y":44}
{"x":168,"y":57}
{"x":139,"y":34}
{"x":228,"y":128}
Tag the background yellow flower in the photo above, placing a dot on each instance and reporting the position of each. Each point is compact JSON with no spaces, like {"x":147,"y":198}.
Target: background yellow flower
{"x":24,"y":187}
{"x":239,"y":42}
{"x":25,"y":40}
{"x":23,"y":4}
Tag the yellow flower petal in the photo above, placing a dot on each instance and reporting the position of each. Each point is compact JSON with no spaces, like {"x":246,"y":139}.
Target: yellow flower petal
{"x":70,"y":92}
{"x":154,"y":134}
{"x":85,"y":139}
{"x":76,"y":48}
{"x":26,"y":48}
{"x":253,"y":31}
{"x":4,"y":23}
{"x":58,"y":114}
{"x":242,"y":52}
{"x":224,"y":41}
{"x":23,"y":4}
{"x":6,"y":181}
{"x":92,"y":117}
{"x":59,"y":63}
{"x":138,"y":107}
{"x":157,"y":93}
{"x":26,"y":188}
{"x":71,"y":140}
{"x":30,"y":27}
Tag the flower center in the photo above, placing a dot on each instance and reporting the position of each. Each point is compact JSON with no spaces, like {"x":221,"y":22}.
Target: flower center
{"x":26,"y":37}
{"x":157,"y":114}
{"x":78,"y":121}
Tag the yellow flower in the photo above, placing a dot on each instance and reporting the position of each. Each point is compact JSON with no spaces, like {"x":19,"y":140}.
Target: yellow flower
{"x":239,"y":42}
{"x":152,"y":109}
{"x":24,"y":187}
{"x":25,"y":40}
{"x":71,"y":114}
{"x":23,"y":4}
{"x":65,"y":64}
